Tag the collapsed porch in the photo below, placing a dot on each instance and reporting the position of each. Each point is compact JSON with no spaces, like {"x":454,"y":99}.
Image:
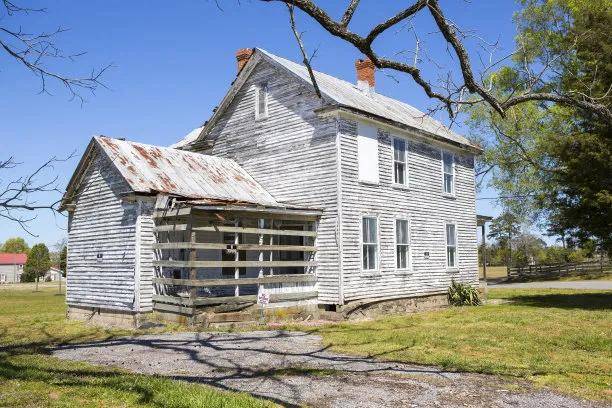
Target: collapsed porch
{"x":220,"y":258}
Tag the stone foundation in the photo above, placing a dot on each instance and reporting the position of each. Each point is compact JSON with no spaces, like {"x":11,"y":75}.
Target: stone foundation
{"x":369,"y":309}
{"x":104,"y":317}
{"x":363,"y":309}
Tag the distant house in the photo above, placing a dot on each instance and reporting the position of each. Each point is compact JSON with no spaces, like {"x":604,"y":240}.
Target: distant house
{"x":11,"y":267}
{"x":280,"y":199}
{"x":53,"y":274}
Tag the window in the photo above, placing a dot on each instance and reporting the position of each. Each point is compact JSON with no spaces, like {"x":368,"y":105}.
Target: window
{"x":451,"y":245}
{"x":291,"y":255}
{"x":449,"y":172}
{"x":399,"y":161}
{"x":229,"y":255}
{"x":261,"y":101}
{"x":367,"y":153}
{"x":401,"y":244}
{"x":369,"y":233}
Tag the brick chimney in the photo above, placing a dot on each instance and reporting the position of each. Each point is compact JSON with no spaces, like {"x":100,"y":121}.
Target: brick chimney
{"x":242,"y":57}
{"x":365,"y":74}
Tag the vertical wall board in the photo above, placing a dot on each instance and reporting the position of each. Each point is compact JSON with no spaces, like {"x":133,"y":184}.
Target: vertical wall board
{"x":102,"y":241}
{"x":422,"y":202}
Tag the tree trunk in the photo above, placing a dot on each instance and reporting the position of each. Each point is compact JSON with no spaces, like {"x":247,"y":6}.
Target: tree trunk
{"x":509,"y":249}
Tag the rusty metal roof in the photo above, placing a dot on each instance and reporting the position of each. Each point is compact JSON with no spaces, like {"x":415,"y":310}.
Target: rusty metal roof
{"x":155,"y":169}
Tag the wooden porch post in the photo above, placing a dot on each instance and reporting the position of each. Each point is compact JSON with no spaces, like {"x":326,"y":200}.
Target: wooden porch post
{"x":261,"y":223}
{"x":236,"y":258}
{"x":484,"y":260}
{"x":193,"y":271}
{"x":271,"y":272}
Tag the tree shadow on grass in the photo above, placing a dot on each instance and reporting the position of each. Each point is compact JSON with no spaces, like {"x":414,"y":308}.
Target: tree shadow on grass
{"x":581,"y":300}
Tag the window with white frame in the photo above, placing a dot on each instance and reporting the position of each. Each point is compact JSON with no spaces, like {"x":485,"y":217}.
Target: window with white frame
{"x":448,"y":167}
{"x":261,"y":101}
{"x":367,"y":153}
{"x":451,"y":245}
{"x":401,"y":244}
{"x":369,"y":233}
{"x":399,"y":161}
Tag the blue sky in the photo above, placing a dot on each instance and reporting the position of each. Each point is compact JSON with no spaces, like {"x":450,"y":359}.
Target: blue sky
{"x":172,"y":64}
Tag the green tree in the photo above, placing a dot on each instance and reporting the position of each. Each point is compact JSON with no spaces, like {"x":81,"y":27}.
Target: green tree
{"x":37,"y":265}
{"x":554,"y":160}
{"x":63,"y":259}
{"x":15,"y":245}
{"x":503,"y":229}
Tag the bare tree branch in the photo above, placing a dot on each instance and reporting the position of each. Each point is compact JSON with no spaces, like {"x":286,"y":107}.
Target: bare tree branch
{"x":455,"y":96}
{"x":305,"y":59}
{"x":19,"y":196}
{"x":348,"y":14}
{"x":33,"y":51}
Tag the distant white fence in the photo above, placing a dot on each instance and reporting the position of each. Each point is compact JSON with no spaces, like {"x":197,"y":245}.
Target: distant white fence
{"x":555,"y":271}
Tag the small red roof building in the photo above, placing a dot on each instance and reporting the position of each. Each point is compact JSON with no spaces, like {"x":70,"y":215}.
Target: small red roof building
{"x":13,"y":259}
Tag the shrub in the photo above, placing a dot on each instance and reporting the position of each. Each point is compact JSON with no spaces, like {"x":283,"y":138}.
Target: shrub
{"x":462,"y":294}
{"x":27,"y":277}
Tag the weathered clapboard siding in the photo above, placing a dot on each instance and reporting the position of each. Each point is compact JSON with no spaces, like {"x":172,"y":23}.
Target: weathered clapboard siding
{"x":146,"y":239}
{"x":292,"y":154}
{"x":102,"y":224}
{"x":422,"y":203}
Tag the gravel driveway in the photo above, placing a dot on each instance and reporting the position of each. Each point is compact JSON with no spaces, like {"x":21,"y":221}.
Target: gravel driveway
{"x":583,"y":284}
{"x":293,"y":369}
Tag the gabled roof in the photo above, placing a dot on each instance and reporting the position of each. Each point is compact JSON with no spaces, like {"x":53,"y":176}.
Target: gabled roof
{"x":342,"y":94}
{"x":153,"y":169}
{"x":13,"y":259}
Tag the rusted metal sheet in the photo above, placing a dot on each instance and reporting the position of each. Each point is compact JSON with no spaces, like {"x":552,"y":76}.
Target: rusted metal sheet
{"x":155,"y":169}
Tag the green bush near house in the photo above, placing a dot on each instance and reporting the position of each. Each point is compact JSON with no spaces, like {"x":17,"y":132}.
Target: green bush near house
{"x":462,"y":294}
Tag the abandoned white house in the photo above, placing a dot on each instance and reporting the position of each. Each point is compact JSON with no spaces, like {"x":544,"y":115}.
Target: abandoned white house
{"x":280,"y":199}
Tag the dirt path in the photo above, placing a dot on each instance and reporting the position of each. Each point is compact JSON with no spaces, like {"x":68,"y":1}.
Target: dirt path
{"x":293,"y":369}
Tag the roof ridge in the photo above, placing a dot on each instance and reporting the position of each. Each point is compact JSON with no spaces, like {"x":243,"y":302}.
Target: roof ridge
{"x":375,"y":103}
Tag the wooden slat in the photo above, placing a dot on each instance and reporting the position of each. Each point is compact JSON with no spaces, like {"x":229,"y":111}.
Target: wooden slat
{"x":288,"y":297}
{"x":244,"y":230}
{"x":233,"y":264}
{"x":204,"y":301}
{"x":173,"y":308}
{"x":241,"y":281}
{"x":177,"y":212}
{"x":174,"y":300}
{"x":242,"y":247}
{"x":267,"y":214}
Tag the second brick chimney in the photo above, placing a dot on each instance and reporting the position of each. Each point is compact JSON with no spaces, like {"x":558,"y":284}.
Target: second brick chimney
{"x":365,"y":74}
{"x":242,"y":57}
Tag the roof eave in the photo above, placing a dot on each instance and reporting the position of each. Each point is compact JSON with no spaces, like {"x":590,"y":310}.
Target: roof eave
{"x":81,"y":166}
{"x":390,"y":122}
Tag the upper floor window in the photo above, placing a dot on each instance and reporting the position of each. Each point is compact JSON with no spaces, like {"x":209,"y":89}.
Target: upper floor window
{"x":448,"y":167}
{"x":367,"y":153}
{"x":399,"y":161}
{"x":451,"y":245}
{"x":401,"y":244}
{"x":261,"y":101}
{"x":369,"y":234}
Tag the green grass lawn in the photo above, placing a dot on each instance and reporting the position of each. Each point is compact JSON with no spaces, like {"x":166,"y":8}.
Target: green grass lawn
{"x":556,"y":338}
{"x":30,"y":321}
{"x":494,"y":272}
